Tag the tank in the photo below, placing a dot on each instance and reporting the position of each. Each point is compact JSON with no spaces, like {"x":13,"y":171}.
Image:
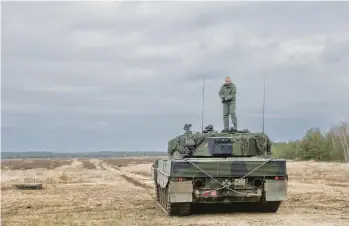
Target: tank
{"x":211,"y":167}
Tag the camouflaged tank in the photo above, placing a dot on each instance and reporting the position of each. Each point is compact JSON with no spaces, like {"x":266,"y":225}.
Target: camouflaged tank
{"x":219,"y":167}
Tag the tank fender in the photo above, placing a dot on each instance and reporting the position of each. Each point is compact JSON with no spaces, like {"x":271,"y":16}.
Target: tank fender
{"x":275,"y":190}
{"x":162,"y":173}
{"x":153,"y":173}
{"x":154,"y":167}
{"x":181,"y":191}
{"x":161,"y":178}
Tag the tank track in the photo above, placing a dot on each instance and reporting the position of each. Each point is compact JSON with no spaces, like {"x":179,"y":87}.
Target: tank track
{"x":171,"y":209}
{"x":185,"y":209}
{"x":269,"y":207}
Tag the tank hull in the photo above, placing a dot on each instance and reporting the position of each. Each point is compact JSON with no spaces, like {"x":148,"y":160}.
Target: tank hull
{"x":182,"y":183}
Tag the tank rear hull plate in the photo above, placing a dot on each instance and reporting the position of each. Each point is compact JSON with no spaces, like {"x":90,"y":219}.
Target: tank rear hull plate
{"x":227,"y":168}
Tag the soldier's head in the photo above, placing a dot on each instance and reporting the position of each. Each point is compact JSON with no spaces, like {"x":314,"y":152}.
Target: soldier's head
{"x":227,"y":80}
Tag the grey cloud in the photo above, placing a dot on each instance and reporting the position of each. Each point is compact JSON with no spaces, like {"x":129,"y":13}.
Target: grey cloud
{"x":336,"y":51}
{"x":106,"y":72}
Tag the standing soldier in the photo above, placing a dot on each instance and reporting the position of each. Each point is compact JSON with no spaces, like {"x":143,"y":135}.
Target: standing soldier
{"x":228,"y":95}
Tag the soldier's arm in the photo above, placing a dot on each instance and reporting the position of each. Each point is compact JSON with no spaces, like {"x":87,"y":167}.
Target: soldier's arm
{"x":221,"y":94}
{"x":233,"y":92}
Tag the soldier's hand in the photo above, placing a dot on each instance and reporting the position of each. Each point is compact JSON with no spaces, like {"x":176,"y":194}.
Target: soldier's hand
{"x":223,"y":99}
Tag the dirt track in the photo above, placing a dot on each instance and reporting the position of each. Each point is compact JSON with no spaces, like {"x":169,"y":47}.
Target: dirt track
{"x":97,"y":192}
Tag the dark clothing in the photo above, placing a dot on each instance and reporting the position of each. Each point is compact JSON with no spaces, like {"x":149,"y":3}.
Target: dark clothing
{"x":228,"y":95}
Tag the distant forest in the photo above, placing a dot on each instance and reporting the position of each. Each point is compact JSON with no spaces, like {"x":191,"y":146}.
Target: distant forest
{"x":332,"y":145}
{"x":315,"y":145}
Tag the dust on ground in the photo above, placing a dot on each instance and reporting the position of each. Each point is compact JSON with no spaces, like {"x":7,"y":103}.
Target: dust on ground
{"x":119,"y":191}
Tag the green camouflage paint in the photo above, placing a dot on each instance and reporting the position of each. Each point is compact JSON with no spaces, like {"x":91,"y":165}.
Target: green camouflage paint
{"x":230,"y":167}
{"x":244,"y":143}
{"x":189,"y":159}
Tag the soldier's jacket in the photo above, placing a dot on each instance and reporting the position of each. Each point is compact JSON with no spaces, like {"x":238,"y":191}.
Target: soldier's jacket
{"x":228,"y":91}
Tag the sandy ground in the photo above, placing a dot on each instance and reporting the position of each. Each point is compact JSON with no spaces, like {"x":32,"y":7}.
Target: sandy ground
{"x":119,"y":192}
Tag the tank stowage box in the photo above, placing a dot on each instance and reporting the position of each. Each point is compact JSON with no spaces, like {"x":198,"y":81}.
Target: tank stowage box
{"x":219,"y":146}
{"x":219,"y":167}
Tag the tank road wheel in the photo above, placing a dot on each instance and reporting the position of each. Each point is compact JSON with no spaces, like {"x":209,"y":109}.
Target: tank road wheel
{"x":157,"y":192}
{"x":168,"y":204}
{"x":162,"y":200}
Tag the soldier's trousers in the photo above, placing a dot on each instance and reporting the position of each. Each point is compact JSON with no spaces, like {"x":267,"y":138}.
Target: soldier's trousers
{"x":229,"y":109}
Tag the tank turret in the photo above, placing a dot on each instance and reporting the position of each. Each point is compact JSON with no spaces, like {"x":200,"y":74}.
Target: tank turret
{"x":211,"y":143}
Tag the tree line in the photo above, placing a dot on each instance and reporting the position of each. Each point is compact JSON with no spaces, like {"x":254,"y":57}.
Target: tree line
{"x":332,"y":145}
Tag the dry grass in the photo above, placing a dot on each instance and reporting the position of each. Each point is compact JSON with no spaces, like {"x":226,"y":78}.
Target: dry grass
{"x":124,"y":195}
{"x":314,"y":172}
{"x":87,"y":164}
{"x":122,"y":162}
{"x":33,"y":164}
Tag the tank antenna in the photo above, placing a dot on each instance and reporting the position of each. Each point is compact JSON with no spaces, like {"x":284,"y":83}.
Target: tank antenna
{"x":263,"y":102}
{"x":203,"y":104}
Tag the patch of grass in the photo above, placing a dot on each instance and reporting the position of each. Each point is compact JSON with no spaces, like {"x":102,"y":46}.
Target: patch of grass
{"x":122,"y":162}
{"x":63,"y":178}
{"x":88,"y":165}
{"x":25,"y":164}
{"x":6,"y":187}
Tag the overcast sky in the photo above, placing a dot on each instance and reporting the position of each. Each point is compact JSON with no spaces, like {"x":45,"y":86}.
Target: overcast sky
{"x":127,"y":76}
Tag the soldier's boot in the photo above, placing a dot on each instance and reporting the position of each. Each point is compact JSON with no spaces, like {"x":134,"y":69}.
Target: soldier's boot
{"x":225,"y":130}
{"x":235,"y":126}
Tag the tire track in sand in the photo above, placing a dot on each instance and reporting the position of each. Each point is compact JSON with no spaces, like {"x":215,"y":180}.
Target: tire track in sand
{"x":135,"y":182}
{"x":125,"y":175}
